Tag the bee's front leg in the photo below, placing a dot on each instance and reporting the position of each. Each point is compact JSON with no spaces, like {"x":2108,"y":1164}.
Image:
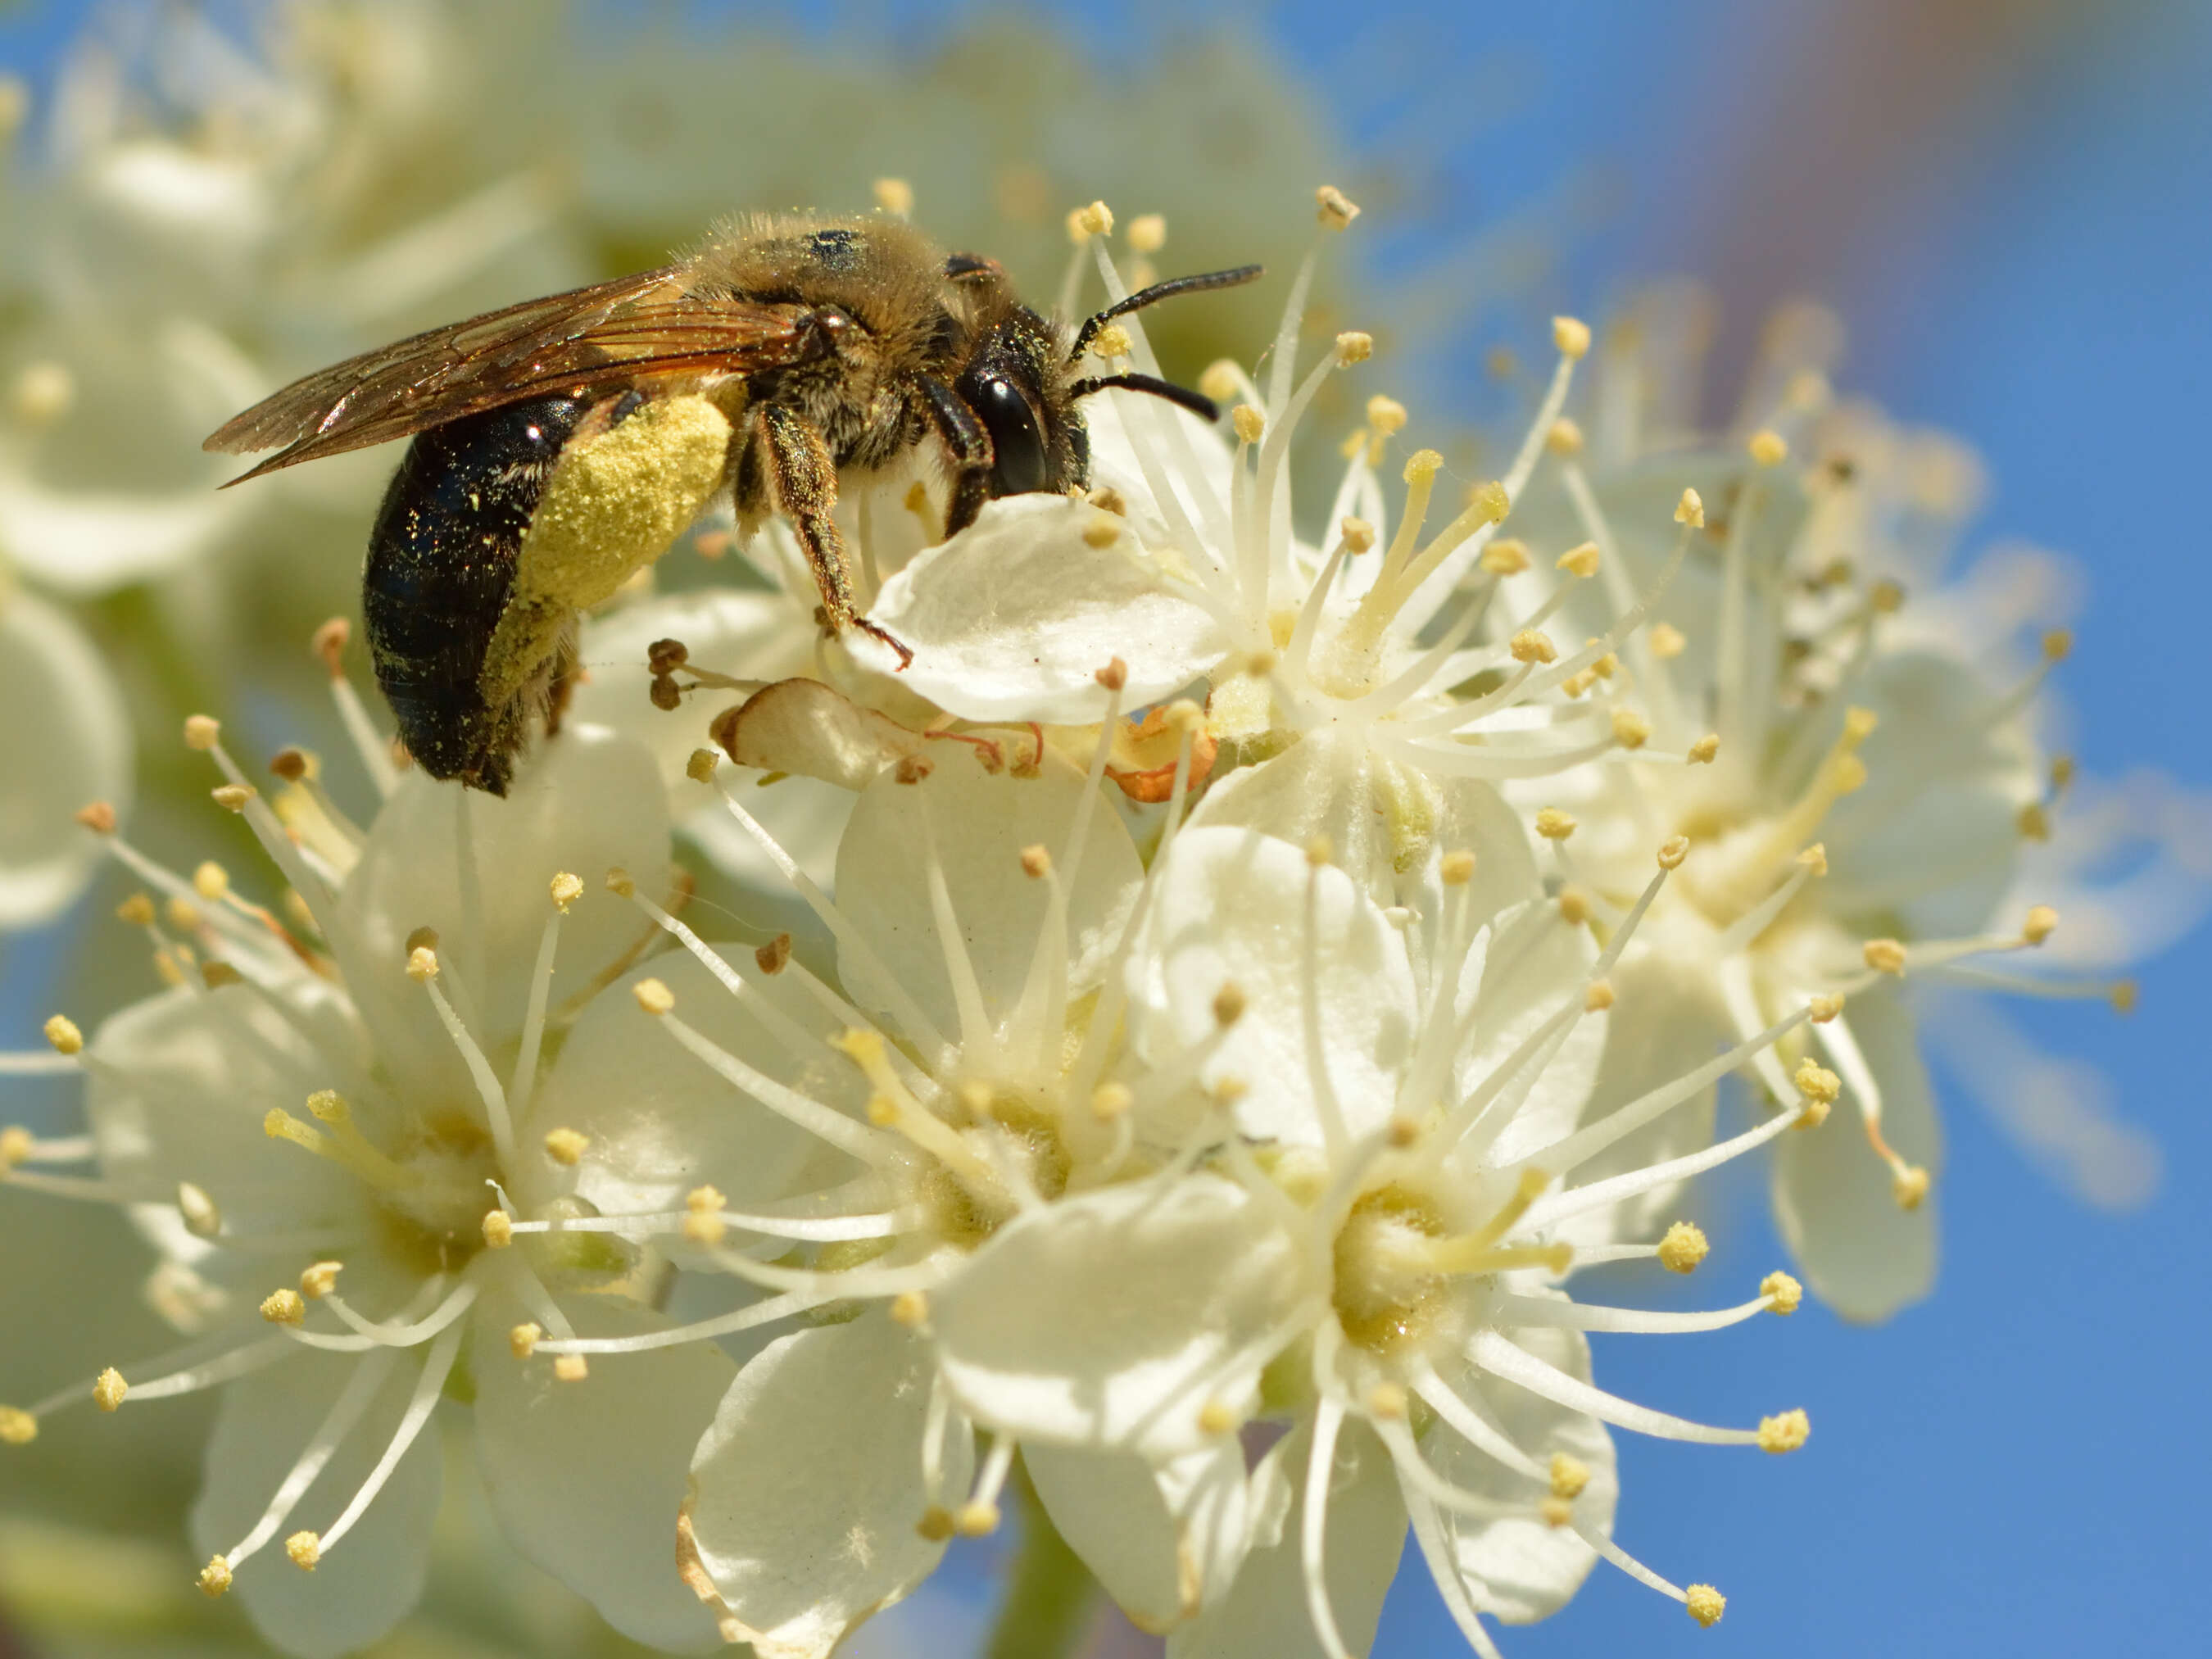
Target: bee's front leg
{"x":969,"y":444}
{"x":802,"y":485}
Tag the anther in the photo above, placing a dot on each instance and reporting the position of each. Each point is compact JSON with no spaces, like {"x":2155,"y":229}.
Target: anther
{"x":17,"y":1145}
{"x":1354,"y":346}
{"x":1319,"y":851}
{"x":566,"y":889}
{"x":1111,"y":341}
{"x":202,"y":731}
{"x":45,"y":392}
{"x":421,"y":964}
{"x":1702,"y":750}
{"x":700,"y":769}
{"x":232,"y":797}
{"x":1884,"y":955}
{"x":1215,"y":1418}
{"x":936,"y":1523}
{"x":1492,"y":500}
{"x":1565,"y":437}
{"x":284,"y":1308}
{"x":1553,"y":824}
{"x":61,"y":1032}
{"x":1683,"y":1247}
{"x":1505,"y":557}
{"x":894,"y":196}
{"x":1337,"y":210}
{"x":565,"y":1147}
{"x":1667,"y":641}
{"x":1815,"y":858}
{"x":1705,"y":1604}
{"x":1389,"y":1401}
{"x":2057,"y":645}
{"x":1110,"y":1100}
{"x":1572,"y":336}
{"x":1531,"y":646}
{"x":1402,"y":1131}
{"x":1887,"y":597}
{"x":1228,"y":1090}
{"x":703,"y":1221}
{"x":1580,"y":561}
{"x":1385,"y":415}
{"x":1228,"y":1003}
{"x":570,"y":1368}
{"x":774,"y":956}
{"x":1574,"y":906}
{"x":653,"y":996}
{"x":1555,"y":1512}
{"x":1148,"y":233}
{"x":1784,"y":1433}
{"x":910,"y":769}
{"x":1247,"y":422}
{"x":1672,"y":851}
{"x":2125,"y":996}
{"x":1568,"y":1475}
{"x":1598,"y":998}
{"x":306,"y":1549}
{"x":319,"y":1279}
{"x":2033,"y":822}
{"x":108,"y":1390}
{"x":1784,"y":1294}
{"x":522,"y":1339}
{"x":136,"y":911}
{"x":1768,"y":447}
{"x":1691,"y":510}
{"x":2041,"y":922}
{"x":1220,"y":380}
{"x":498,"y":1230}
{"x":329,"y":641}
{"x":1816,"y":1082}
{"x":619,"y":883}
{"x":17,"y":1427}
{"x":1358,"y":535}
{"x":98,"y":816}
{"x":1909,"y":1187}
{"x":1114,"y":676}
{"x":1085,"y":223}
{"x":1825,"y":1007}
{"x":1456,"y":868}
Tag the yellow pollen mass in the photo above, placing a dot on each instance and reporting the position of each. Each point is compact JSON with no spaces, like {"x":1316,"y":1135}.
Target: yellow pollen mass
{"x":894,"y":196}
{"x":1672,"y":851}
{"x":1629,"y":729}
{"x":1667,"y":641}
{"x":1112,"y":341}
{"x":1826,"y":1008}
{"x":1319,"y":851}
{"x":1816,"y":1082}
{"x":570,"y":1368}
{"x":1705,"y":1604}
{"x":1910,"y":1187}
{"x":1815,"y":858}
{"x":1358,"y":535}
{"x":976,"y":1519}
{"x":61,"y":1032}
{"x":1228,"y":1003}
{"x":936,"y":1523}
{"x":1220,"y":380}
{"x":1768,"y":447}
{"x":232,"y":797}
{"x":1148,"y":233}
{"x":1580,"y":561}
{"x":108,"y":1390}
{"x":1691,"y":510}
{"x":1598,"y":998}
{"x":1884,"y":955}
{"x":1336,"y":210}
{"x":17,"y":1427}
{"x":700,"y":769}
{"x":210,"y":880}
{"x":17,"y":1145}
{"x":1683,"y":1247}
{"x":1456,"y":868}
{"x":214,"y":1577}
{"x":1354,"y":346}
{"x":1385,"y":415}
{"x":319,"y":1279}
{"x":1702,"y":750}
{"x":1096,"y":220}
{"x":137,"y":910}
{"x":1574,"y":906}
{"x":1785,"y":1432}
{"x":202,"y":731}
{"x":2033,"y":822}
{"x":1531,"y":645}
{"x":1553,"y":824}
{"x":910,"y":1308}
{"x":653,"y":996}
{"x":1564,"y":438}
{"x":1568,"y":1476}
{"x":1505,"y":557}
{"x":1784,"y":1294}
{"x":1109,"y":1100}
{"x":565,"y":1147}
{"x":306,"y":1549}
{"x":1492,"y":500}
{"x":1555,"y":1512}
{"x":421,"y":964}
{"x":566,"y":889}
{"x":1102,"y":531}
{"x":1215,"y":1418}
{"x":284,"y":1308}
{"x":1389,"y":1401}
{"x":1572,"y":336}
{"x":2057,"y":645}
{"x":498,"y":1230}
{"x":522,"y":1339}
{"x":619,"y":882}
{"x":2042,"y":922}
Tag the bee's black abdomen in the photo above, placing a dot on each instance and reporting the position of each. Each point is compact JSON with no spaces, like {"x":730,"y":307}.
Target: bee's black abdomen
{"x":442,"y":562}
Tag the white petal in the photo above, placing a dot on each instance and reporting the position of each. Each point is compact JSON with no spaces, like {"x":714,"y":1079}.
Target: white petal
{"x":1265,"y":1614}
{"x":1113,"y":1320}
{"x":1199,"y":469}
{"x":807,"y":729}
{"x":1012,"y":619}
{"x":974,"y":826}
{"x":587,"y":1477}
{"x":75,"y":750}
{"x":1230,"y":908}
{"x":1536,"y":966}
{"x":1517,"y":1567}
{"x":810,"y":1485}
{"x":373,"y":1576}
{"x":1162,"y":1541}
{"x":1860,"y":1253}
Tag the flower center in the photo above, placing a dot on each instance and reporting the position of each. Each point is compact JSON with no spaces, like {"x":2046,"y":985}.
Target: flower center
{"x":1387,"y":1293}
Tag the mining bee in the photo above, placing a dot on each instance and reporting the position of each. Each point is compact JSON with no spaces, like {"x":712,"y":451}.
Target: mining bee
{"x":806,"y":343}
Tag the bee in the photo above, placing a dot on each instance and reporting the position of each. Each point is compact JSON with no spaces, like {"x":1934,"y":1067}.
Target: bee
{"x":826,"y":343}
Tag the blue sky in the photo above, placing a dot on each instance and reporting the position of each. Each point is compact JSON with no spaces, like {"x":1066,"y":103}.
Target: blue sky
{"x":2011,"y":1467}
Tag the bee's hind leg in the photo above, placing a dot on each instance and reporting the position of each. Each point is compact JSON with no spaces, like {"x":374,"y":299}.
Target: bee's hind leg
{"x":802,"y":485}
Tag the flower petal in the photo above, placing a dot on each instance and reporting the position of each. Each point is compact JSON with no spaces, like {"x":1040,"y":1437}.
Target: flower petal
{"x":1113,"y":1320}
{"x":76,"y":751}
{"x":1163,"y":1541}
{"x":373,"y":1576}
{"x":1012,"y":619}
{"x":587,"y":1477}
{"x":810,"y":1485}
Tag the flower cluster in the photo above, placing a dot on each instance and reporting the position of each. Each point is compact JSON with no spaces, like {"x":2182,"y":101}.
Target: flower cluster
{"x":1213,"y":1006}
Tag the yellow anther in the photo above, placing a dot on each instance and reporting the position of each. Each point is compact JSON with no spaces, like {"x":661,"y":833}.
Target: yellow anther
{"x":1887,"y":597}
{"x":1221,"y":381}
{"x":2057,"y":645}
{"x":1185,"y":716}
{"x":1785,"y":1433}
{"x":284,"y":1308}
{"x":1531,"y":645}
{"x":1148,"y":233}
{"x":1816,"y":1082}
{"x":1389,"y":1401}
{"x":2062,"y":772}
{"x":1580,"y":561}
{"x":2125,"y":996}
{"x":1702,"y":750}
{"x":1109,"y":1100}
{"x":1811,"y":1114}
{"x":1492,"y":500}
{"x":1598,"y":998}
{"x":216,"y":975}
{"x":1815,"y":858}
{"x":910,"y":1308}
{"x":1555,"y":1511}
{"x":319,"y":1279}
{"x":883,"y":1110}
{"x":1112,"y":341}
{"x":653,"y":996}
{"x":1553,"y":824}
{"x":421,"y":964}
{"x":1884,"y":955}
{"x":17,"y":1145}
{"x":1096,"y":220}
{"x":1705,"y":1604}
{"x":772,"y":957}
{"x":1456,"y":868}
{"x":137,"y":910}
{"x":1825,"y":1007}
{"x":306,"y":1549}
{"x":570,"y":1368}
{"x":1320,"y":849}
{"x":566,"y":889}
{"x":2033,"y":822}
{"x":214,"y":1577}
{"x":232,"y":797}
{"x":1247,"y":422}
{"x":1691,"y":510}
{"x":17,"y":1427}
{"x":700,"y":769}
{"x":1228,"y":1003}
{"x":1337,"y":210}
{"x":329,"y":1106}
{"x":185,"y":916}
{"x":1768,"y":447}
{"x":620,"y":883}
{"x":1572,"y":336}
{"x":1102,"y":531}
{"x":1784,"y":1294}
{"x":1505,"y":557}
{"x":1402,"y":1131}
{"x":894,"y":196}
{"x":108,"y":1390}
{"x":1672,"y":851}
{"x":202,"y":731}
{"x":1226,"y":1091}
{"x":1385,"y":415}
{"x":1354,"y":346}
{"x":565,"y":1147}
{"x":2042,"y":922}
{"x":1570,"y":1476}
{"x":1683,"y":1247}
{"x":522,"y":1339}
{"x":976,"y":1519}
{"x":1909,"y":1187}
{"x":1215,"y":1418}
{"x":61,"y":1032}
{"x":1358,"y":535}
{"x":1574,"y":906}
{"x":936,"y":1523}
{"x":1667,"y":641}
{"x":498,"y":1230}
{"x":98,"y":816}
{"x":1629,"y":729}
{"x":1564,"y":438}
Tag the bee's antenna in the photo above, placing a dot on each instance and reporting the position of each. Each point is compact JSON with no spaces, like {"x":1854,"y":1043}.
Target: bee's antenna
{"x":1196,"y":401}
{"x":1159,"y":291}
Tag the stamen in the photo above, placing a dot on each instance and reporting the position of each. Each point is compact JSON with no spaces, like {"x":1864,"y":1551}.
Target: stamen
{"x":823,"y":1123}
{"x":428,"y":1388}
{"x":766,"y":1311}
{"x":979,"y":1517}
{"x":1526,"y":1312}
{"x":1503,"y":1357}
{"x":338,"y":1423}
{"x":423,"y":969}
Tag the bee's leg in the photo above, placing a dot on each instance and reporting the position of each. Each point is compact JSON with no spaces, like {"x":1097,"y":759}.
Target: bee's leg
{"x":969,"y":444}
{"x":802,"y":484}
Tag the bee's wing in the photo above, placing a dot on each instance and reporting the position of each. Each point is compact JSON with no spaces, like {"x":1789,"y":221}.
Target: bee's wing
{"x":609,"y":336}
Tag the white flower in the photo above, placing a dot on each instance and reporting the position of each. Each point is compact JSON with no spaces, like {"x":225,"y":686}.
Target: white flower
{"x":371,"y":1132}
{"x":1399,"y":1245}
{"x":75,"y":755}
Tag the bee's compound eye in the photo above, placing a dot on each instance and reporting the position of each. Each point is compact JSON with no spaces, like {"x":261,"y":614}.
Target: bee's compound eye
{"x":1018,"y":466}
